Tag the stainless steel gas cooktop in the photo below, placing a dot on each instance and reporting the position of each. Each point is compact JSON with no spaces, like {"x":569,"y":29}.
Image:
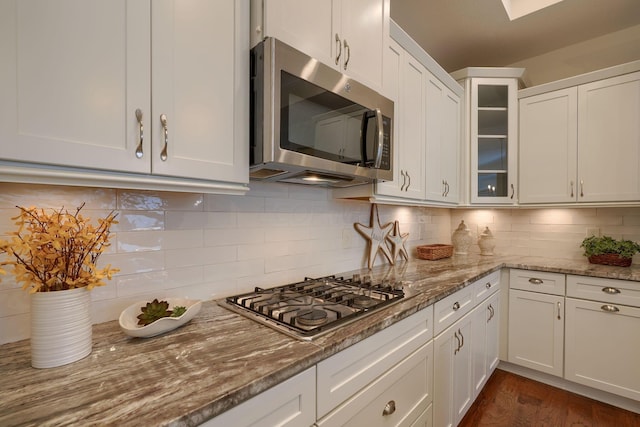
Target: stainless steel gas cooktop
{"x":312,"y":307}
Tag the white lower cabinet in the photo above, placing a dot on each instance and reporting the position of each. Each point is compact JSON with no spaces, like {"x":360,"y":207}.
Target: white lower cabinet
{"x":536,"y":331}
{"x":602,"y":346}
{"x":401,"y":397}
{"x":453,"y":389}
{"x":536,"y":320}
{"x":485,"y":344}
{"x":291,"y":403}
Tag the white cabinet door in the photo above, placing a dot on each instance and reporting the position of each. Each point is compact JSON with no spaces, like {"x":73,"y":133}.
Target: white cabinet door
{"x":306,"y":26}
{"x":199,"y":71}
{"x":549,"y":147}
{"x":72,"y":75}
{"x":349,"y":35}
{"x":485,"y":343}
{"x":442,"y":141}
{"x":291,"y":403}
{"x":364,"y":29}
{"x":453,"y":388}
{"x":409,"y":126}
{"x":493,"y":133}
{"x":603,"y":346}
{"x":536,"y":331}
{"x":394,"y":56}
{"x":608,"y":135}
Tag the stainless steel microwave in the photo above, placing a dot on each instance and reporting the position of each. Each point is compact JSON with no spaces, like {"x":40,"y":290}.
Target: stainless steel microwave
{"x":311,"y":124}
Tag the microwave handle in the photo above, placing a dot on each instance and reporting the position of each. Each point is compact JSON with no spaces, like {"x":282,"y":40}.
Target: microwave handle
{"x":379,"y":137}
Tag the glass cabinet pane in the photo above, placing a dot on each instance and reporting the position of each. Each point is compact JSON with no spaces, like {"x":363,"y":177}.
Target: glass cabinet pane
{"x":492,"y":154}
{"x":492,"y":185}
{"x":493,"y":122}
{"x":493,"y":96}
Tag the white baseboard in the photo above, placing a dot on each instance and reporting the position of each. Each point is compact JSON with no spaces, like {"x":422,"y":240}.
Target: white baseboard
{"x":599,"y":395}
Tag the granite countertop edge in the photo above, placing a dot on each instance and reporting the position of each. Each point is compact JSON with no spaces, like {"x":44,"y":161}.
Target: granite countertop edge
{"x":189,"y":375}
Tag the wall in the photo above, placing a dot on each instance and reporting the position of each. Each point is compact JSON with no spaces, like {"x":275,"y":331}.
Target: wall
{"x":210,"y":246}
{"x":555,"y":233}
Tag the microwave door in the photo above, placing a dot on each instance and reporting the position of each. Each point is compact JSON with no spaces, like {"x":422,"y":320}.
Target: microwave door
{"x":372,"y":143}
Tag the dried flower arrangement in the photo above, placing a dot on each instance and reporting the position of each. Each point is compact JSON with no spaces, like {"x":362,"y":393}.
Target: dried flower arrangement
{"x":58,"y":250}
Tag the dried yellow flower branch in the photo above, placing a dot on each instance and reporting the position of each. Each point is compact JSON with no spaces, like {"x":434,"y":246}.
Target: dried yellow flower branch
{"x":57,"y":251}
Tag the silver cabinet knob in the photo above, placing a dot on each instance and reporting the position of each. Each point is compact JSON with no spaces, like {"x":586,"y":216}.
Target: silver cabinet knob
{"x":389,"y":408}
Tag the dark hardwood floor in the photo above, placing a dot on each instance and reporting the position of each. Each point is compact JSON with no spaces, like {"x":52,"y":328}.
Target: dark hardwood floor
{"x":509,"y":400}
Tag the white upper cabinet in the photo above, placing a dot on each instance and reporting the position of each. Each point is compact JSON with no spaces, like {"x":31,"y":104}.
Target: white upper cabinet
{"x":349,"y":35}
{"x":609,"y":140}
{"x":87,"y":86}
{"x":442,"y":141}
{"x":548,"y":147}
{"x":490,"y":138}
{"x":200,"y":84}
{"x":410,"y":124}
{"x":581,"y":143}
{"x":72,"y":75}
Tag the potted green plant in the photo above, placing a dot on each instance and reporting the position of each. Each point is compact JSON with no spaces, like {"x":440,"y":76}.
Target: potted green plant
{"x":609,"y":251}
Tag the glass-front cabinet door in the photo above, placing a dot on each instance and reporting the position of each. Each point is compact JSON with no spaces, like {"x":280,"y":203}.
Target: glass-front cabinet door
{"x":493,"y":140}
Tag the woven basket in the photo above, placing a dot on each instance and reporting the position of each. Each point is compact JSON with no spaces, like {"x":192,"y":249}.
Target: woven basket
{"x":610,"y":259}
{"x":433,"y":252}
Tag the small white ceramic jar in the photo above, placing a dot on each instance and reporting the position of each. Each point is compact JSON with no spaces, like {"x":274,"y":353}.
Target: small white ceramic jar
{"x":487,"y":242}
{"x":461,"y":239}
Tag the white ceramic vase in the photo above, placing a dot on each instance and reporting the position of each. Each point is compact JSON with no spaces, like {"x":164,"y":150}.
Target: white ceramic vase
{"x":461,"y":239}
{"x":60,"y":327}
{"x":487,"y":242}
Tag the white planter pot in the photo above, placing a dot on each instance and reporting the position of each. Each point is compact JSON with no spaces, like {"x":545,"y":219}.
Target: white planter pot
{"x":60,"y":327}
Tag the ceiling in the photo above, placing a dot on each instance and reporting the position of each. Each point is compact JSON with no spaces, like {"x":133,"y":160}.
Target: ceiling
{"x":463,"y":33}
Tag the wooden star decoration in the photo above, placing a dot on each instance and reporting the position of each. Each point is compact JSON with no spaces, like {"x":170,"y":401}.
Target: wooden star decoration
{"x":398,"y":240}
{"x":376,"y":234}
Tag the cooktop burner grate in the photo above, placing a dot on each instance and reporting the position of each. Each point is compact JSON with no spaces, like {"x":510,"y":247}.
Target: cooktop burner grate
{"x":314,"y":306}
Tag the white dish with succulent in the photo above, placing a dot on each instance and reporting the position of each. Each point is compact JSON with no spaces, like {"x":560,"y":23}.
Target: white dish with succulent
{"x":150,"y":318}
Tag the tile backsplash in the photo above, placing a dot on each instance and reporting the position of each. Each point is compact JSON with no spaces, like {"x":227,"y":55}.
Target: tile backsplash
{"x":209,"y":246}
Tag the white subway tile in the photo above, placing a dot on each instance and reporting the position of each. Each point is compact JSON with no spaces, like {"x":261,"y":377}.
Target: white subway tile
{"x":139,"y":221}
{"x":56,"y":197}
{"x":159,"y":200}
{"x":199,"y":256}
{"x":233,"y":236}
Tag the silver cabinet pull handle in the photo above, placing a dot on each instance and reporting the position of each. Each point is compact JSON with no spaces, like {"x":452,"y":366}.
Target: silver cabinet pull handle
{"x":571,"y":188}
{"x":163,"y":120}
{"x":444,"y":188}
{"x":455,"y":334}
{"x":456,"y":306}
{"x":559,"y":306}
{"x":447,"y":189}
{"x":610,"y":308}
{"x":347,"y":52}
{"x":339,"y":46}
{"x":610,"y":291}
{"x":491,"y":313}
{"x":389,"y":408}
{"x":461,"y":338}
{"x":535,"y":281}
{"x":409,"y":183}
{"x":139,"y":152}
{"x":488,"y":285}
{"x":513,"y":191}
{"x":404,"y":180}
{"x":581,"y":188}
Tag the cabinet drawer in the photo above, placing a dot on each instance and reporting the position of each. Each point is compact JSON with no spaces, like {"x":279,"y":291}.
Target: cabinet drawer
{"x":404,"y":394}
{"x":537,"y":281}
{"x":606,"y":290}
{"x":346,"y":373}
{"x":450,"y":309}
{"x":290,"y":403}
{"x":486,"y":286}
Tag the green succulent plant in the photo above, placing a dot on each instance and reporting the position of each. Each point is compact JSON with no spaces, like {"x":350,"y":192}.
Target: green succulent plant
{"x":155,"y":310}
{"x":596,"y":245}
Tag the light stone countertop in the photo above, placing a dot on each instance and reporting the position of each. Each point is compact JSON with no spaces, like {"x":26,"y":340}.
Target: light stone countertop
{"x":220,"y":358}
